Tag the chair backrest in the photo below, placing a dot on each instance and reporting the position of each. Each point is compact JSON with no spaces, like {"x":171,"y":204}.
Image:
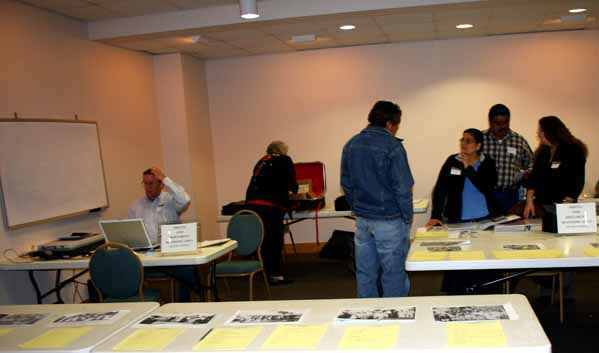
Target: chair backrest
{"x":246,"y":227}
{"x":116,"y":271}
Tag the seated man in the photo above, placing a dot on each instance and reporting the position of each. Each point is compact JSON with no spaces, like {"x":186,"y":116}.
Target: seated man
{"x":163,"y":203}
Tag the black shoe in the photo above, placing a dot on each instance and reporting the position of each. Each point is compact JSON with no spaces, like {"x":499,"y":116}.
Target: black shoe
{"x":279,"y":282}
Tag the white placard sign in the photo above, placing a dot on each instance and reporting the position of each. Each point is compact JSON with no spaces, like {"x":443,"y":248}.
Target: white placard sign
{"x":179,"y":237}
{"x":576,"y":218}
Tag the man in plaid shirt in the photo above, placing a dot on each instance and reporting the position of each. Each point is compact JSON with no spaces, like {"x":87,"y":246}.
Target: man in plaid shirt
{"x":512,"y":154}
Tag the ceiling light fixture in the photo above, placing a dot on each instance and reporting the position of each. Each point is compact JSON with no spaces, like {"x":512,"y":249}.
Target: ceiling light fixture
{"x":347,"y":27}
{"x":464,"y":26}
{"x":576,"y":10}
{"x":248,"y":9}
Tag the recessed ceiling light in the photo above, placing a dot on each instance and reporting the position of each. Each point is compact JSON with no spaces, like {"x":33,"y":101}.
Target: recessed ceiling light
{"x":248,"y":9}
{"x":347,"y":27}
{"x":464,"y":26}
{"x":576,"y":10}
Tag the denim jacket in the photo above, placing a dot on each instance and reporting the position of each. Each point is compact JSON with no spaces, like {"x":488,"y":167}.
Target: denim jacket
{"x":376,"y":176}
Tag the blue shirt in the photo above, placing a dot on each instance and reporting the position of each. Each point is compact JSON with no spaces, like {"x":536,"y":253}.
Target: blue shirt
{"x":474,"y":204}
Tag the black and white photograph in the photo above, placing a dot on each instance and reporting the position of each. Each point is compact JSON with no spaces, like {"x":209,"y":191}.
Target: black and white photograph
{"x":444,"y":248}
{"x":595,"y":245}
{"x":175,"y":320}
{"x":363,"y":315}
{"x":87,"y":319}
{"x":522,"y":247}
{"x":474,"y":313}
{"x":20,"y":319}
{"x":266,"y":317}
{"x":444,"y":243}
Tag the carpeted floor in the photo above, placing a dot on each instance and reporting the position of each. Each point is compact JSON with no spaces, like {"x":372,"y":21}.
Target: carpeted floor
{"x":316,"y":278}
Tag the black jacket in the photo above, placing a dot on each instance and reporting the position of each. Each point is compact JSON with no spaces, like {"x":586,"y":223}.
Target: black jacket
{"x":272,"y":179}
{"x":447,"y":195}
{"x":564,"y":179}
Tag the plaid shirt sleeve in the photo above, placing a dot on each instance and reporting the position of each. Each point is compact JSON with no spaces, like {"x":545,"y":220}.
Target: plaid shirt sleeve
{"x":512,"y":155}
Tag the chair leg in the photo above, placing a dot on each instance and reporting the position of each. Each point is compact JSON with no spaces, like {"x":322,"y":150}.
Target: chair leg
{"x":227,"y":286}
{"x":267,"y":285}
{"x":251,"y":286}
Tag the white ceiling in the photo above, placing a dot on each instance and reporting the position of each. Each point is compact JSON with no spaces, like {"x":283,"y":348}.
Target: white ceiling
{"x":385,"y":25}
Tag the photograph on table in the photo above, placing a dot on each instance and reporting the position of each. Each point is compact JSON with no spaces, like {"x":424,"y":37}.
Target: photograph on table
{"x":474,"y":313}
{"x":266,"y":317}
{"x":523,"y":246}
{"x":20,"y":319}
{"x":175,"y":320}
{"x":445,"y":243}
{"x":444,"y":248}
{"x":88,"y":319}
{"x":365,"y":315}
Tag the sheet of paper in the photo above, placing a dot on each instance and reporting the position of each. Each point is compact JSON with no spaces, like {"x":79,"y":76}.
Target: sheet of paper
{"x":296,"y":337}
{"x":420,"y":204}
{"x":432,"y":234}
{"x":149,"y":339}
{"x":466,"y":255}
{"x":56,"y":338}
{"x":5,"y":331}
{"x":228,"y":339}
{"x":475,"y":335}
{"x":370,"y":337}
{"x":428,"y":256}
{"x":591,"y":252}
{"x":528,"y":254}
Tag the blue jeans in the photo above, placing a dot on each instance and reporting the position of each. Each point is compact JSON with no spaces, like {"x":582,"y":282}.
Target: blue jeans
{"x":382,"y":246}
{"x":506,"y":199}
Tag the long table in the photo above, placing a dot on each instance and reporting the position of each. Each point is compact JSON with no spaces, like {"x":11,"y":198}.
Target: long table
{"x":522,"y":334}
{"x":148,"y":259}
{"x":420,"y":206}
{"x":572,"y":248}
{"x":18,"y":338}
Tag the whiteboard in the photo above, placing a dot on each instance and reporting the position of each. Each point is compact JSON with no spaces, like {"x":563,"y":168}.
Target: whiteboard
{"x":49,"y":169}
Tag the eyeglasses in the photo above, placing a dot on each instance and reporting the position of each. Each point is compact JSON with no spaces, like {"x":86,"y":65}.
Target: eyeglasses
{"x":466,"y":141}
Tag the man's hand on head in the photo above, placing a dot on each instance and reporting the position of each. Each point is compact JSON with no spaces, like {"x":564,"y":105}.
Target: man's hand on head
{"x":158,"y":173}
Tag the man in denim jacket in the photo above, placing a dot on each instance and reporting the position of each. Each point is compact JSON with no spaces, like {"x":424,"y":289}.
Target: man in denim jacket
{"x":377,"y":182}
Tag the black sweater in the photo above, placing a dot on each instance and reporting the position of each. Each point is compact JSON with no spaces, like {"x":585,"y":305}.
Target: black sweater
{"x":562,"y":176}
{"x":272,"y":179}
{"x":447,"y":195}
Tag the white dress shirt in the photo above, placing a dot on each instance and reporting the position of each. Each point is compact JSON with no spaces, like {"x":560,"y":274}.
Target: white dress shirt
{"x":164,"y":209}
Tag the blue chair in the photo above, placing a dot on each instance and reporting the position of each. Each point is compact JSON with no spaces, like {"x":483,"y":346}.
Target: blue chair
{"x":246,"y":227}
{"x":117,"y":274}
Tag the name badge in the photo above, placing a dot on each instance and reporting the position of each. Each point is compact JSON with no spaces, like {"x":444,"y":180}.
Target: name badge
{"x":511,"y":150}
{"x":555,"y":165}
{"x":455,"y":171}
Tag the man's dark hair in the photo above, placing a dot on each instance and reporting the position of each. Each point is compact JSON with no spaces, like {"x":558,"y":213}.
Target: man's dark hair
{"x":497,"y":110}
{"x":384,"y":111}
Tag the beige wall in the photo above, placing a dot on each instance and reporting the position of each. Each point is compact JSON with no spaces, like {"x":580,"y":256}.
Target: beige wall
{"x":316,"y":100}
{"x":200,"y":145}
{"x":186,"y":138}
{"x":50,"y":69}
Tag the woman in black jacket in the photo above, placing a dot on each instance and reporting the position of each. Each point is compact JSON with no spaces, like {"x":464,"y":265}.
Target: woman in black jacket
{"x":463,"y":191}
{"x":559,"y":167}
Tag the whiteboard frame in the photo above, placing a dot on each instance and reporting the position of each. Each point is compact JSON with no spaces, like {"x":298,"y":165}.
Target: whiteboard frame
{"x":57,"y":218}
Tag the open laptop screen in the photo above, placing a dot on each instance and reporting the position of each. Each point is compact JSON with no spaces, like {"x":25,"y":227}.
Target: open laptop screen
{"x":131,"y":232}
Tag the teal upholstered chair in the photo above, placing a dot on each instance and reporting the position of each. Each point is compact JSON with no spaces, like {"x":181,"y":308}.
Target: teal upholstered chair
{"x":117,"y":274}
{"x":246,"y":227}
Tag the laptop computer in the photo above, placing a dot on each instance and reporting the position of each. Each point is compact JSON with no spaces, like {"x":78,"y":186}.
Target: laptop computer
{"x":131,"y":232}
